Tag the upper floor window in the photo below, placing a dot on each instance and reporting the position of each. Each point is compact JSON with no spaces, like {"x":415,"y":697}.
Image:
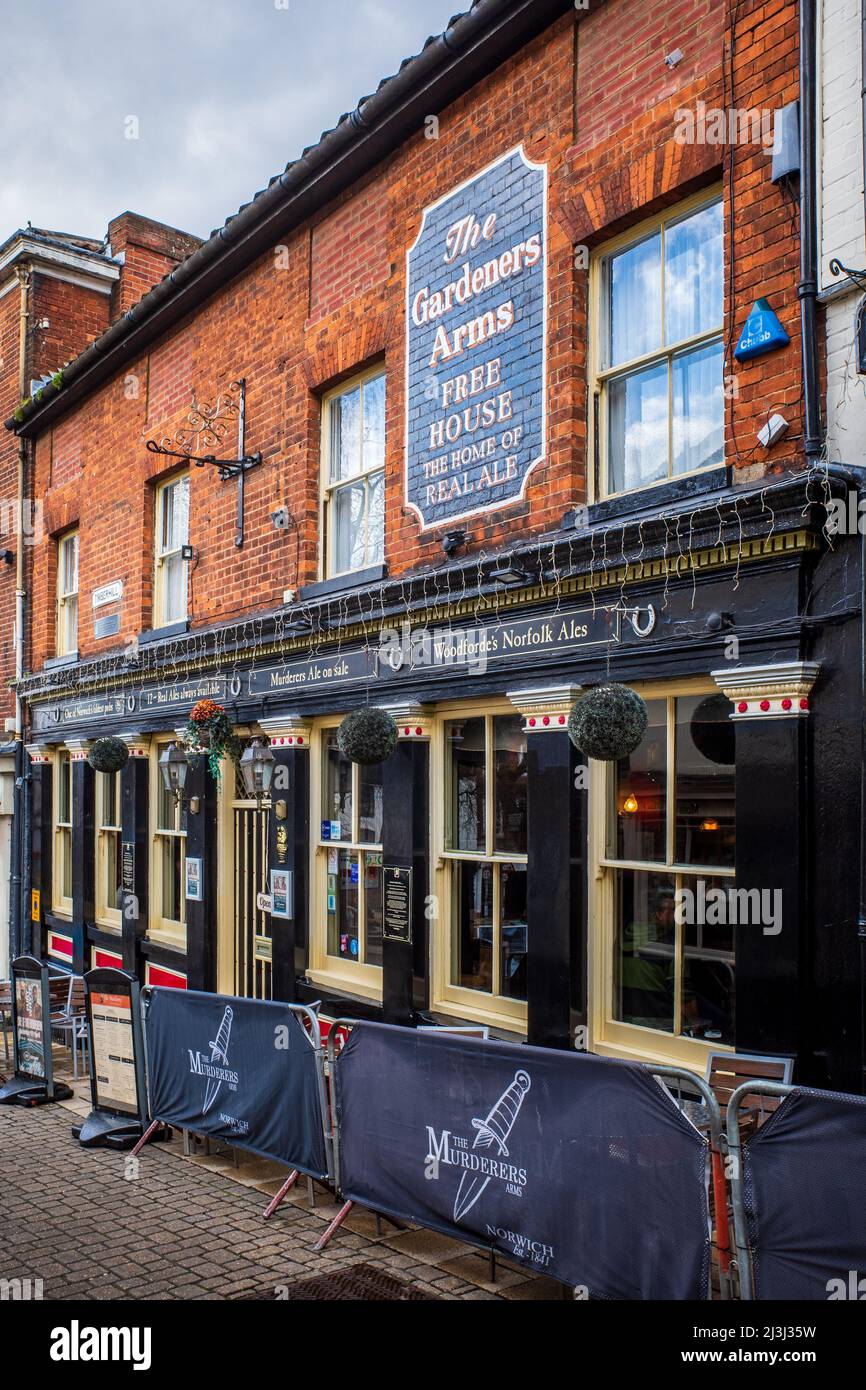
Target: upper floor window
{"x":353,"y":474}
{"x":172,"y":535}
{"x":67,"y":594}
{"x":659,"y":351}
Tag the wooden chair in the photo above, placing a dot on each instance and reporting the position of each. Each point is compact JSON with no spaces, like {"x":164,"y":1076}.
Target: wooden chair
{"x":728,"y":1070}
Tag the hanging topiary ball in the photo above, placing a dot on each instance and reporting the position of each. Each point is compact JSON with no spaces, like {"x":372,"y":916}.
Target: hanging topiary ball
{"x":712,"y":730}
{"x":367,"y":735}
{"x":108,"y":755}
{"x":608,"y":722}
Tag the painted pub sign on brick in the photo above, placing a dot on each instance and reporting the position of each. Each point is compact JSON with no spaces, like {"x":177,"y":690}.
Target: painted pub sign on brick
{"x":476,"y":324}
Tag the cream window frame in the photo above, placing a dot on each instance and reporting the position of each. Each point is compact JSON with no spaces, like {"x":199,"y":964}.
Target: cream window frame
{"x":162,"y":555}
{"x":61,"y":903}
{"x":349,"y":977}
{"x":608,"y":1036}
{"x":446,"y":997}
{"x":107,"y":915}
{"x":66,"y":598}
{"x":600,"y":376}
{"x":166,"y":931}
{"x":328,"y":489}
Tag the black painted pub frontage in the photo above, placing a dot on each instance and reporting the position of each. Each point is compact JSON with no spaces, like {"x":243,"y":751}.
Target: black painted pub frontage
{"x":702,"y":893}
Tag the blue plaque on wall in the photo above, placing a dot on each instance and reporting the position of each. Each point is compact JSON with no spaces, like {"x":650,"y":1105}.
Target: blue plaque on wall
{"x":476,"y":329}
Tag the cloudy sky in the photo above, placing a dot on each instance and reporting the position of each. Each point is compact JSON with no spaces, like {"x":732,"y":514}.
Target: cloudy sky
{"x":224,"y":92}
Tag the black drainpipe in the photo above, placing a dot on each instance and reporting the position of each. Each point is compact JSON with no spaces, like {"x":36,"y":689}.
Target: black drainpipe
{"x":861,"y":916}
{"x":808,"y":288}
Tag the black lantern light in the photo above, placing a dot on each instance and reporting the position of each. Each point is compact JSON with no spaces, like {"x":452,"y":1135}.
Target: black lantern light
{"x":257,"y":769}
{"x":174,"y":767}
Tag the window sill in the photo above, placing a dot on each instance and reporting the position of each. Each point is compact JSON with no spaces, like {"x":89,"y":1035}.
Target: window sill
{"x":476,"y":1013}
{"x":52,"y":663}
{"x":352,"y":579}
{"x":650,"y":498}
{"x":162,"y":936}
{"x":667,"y":1051}
{"x":350,"y":987}
{"x":161,"y":634}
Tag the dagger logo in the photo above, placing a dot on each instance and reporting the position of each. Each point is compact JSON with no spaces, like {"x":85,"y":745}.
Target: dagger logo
{"x":492,"y":1133}
{"x":218,"y":1053}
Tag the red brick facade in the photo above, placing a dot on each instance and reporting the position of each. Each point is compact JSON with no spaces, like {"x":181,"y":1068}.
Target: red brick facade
{"x":593,"y":98}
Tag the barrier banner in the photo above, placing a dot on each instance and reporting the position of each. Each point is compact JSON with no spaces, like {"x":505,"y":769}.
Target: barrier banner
{"x":241,"y":1070}
{"x":577,"y":1166}
{"x":804,"y":1180}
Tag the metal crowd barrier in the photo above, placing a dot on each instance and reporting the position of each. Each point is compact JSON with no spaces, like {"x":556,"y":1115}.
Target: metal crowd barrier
{"x":306,"y":1016}
{"x":716,"y":1144}
{"x":812,"y":1245}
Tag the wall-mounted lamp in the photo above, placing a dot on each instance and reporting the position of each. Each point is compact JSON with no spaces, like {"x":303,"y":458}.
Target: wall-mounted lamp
{"x":257,"y":769}
{"x":174,"y":766}
{"x":630,"y":804}
{"x":510,"y":574}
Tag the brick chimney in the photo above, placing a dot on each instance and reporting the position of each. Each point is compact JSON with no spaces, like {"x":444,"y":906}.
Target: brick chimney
{"x":147,"y":251}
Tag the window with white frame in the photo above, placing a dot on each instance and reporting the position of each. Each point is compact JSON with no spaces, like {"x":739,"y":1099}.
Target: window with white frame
{"x":108,"y":849}
{"x":167,"y":905}
{"x":658,"y":352}
{"x":172,"y":534}
{"x":353,"y":474}
{"x":62,"y":880}
{"x":349,"y":868}
{"x":67,"y":594}
{"x":669,"y":834}
{"x":484,"y":926}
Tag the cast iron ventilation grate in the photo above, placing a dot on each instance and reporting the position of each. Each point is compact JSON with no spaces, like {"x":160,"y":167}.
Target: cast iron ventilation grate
{"x":361,"y":1283}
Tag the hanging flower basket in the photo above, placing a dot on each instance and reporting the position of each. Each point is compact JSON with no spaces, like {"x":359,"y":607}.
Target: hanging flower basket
{"x":210,"y":730}
{"x":608,"y":722}
{"x":108,"y":755}
{"x":367,"y":735}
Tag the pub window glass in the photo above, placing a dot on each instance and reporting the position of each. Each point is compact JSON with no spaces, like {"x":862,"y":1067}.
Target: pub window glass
{"x":108,"y":852}
{"x":350,"y":856}
{"x":485,"y":839}
{"x":63,"y":831}
{"x":671,"y":869}
{"x":660,"y":381}
{"x":170,"y":855}
{"x":67,"y":594}
{"x":354,"y":475}
{"x":172,"y":534}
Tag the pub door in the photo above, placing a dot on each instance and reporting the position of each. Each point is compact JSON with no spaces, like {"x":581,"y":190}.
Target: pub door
{"x":252,"y":926}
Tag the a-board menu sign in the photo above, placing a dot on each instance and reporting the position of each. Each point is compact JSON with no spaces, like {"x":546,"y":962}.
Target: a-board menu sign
{"x":111,"y":1038}
{"x":117,"y":1082}
{"x":33,"y":1082}
{"x":30,"y":1050}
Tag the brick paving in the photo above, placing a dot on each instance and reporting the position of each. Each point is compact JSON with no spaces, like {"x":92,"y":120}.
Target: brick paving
{"x":90,"y":1226}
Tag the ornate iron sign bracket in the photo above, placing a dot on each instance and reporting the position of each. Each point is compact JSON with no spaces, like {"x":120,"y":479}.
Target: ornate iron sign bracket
{"x":210,"y":424}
